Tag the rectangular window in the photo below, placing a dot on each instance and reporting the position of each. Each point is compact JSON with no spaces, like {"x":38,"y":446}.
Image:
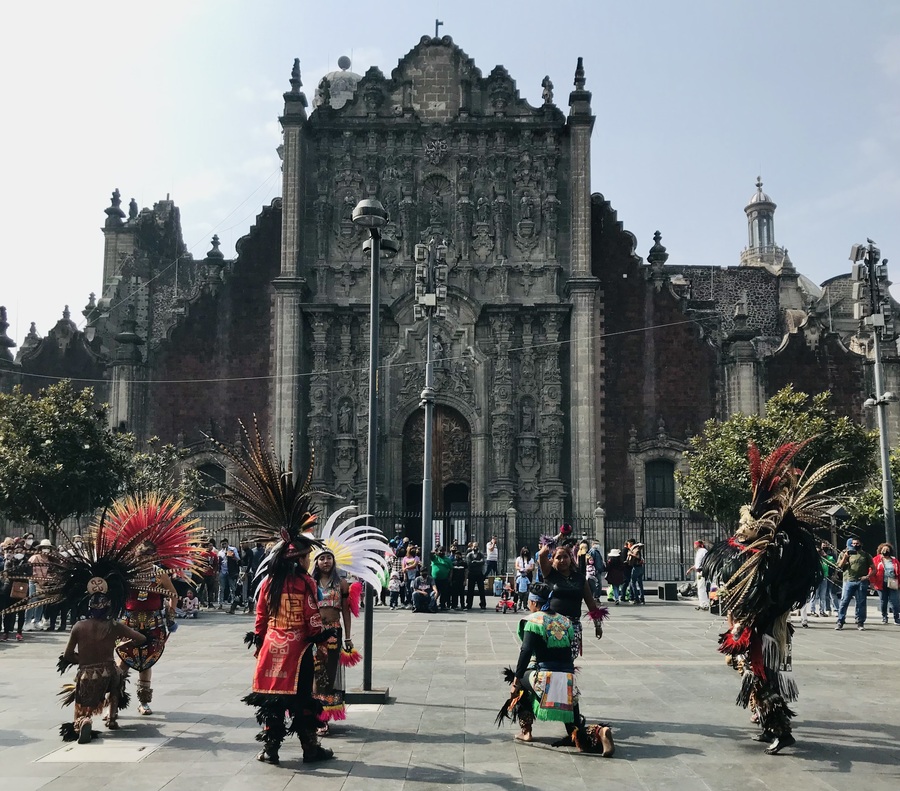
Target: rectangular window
{"x":659,"y":476}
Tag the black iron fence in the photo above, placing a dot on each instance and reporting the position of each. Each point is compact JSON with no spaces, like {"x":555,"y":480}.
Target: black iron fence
{"x":668,"y":537}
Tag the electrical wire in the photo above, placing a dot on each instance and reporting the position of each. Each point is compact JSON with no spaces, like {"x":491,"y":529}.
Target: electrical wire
{"x":305,"y":374}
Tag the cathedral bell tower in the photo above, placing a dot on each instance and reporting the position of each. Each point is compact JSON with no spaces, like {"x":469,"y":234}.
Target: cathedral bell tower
{"x":761,"y":249}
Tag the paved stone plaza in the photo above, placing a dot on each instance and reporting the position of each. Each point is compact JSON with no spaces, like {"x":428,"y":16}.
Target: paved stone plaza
{"x":656,"y":677}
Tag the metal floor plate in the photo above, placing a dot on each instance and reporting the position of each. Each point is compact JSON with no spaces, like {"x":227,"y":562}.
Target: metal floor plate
{"x":104,"y":750}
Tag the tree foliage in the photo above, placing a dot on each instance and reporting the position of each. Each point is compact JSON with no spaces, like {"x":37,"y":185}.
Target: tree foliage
{"x":867,"y":509}
{"x":161,"y":468}
{"x":718,"y":479}
{"x":58,"y":457}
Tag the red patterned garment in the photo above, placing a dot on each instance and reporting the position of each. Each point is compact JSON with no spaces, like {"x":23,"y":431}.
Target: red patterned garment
{"x":287,"y":636}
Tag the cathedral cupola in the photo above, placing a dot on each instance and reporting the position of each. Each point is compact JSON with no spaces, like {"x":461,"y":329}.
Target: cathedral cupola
{"x":761,"y":249}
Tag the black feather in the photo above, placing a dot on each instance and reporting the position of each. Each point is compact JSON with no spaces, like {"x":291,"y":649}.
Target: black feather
{"x":63,"y":664}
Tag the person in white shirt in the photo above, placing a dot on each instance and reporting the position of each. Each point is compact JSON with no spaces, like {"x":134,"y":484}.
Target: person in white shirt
{"x":702,"y":592}
{"x":492,"y":555}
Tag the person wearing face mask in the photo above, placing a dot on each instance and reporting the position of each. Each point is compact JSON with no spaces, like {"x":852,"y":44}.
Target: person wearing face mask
{"x":13,"y":587}
{"x":856,"y":564}
{"x":40,"y":562}
{"x":885,"y":578}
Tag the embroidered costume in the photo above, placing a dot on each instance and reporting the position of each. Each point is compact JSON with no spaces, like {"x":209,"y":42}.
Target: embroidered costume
{"x":93,"y":576}
{"x":160,"y":529}
{"x":543,"y":681}
{"x":357,"y":550}
{"x":770,"y":566}
{"x":275,"y":505}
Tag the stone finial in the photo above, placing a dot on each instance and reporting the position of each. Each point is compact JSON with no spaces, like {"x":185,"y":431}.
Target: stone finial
{"x":67,"y":314}
{"x":579,"y":74}
{"x":215,"y":252}
{"x":296,"y":82}
{"x":580,"y":99}
{"x":657,"y":255}
{"x":114,"y":214}
{"x":6,"y":343}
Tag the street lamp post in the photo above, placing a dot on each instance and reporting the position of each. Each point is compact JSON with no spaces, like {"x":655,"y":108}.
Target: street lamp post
{"x":370,"y":215}
{"x":870,"y":275}
{"x":431,"y":294}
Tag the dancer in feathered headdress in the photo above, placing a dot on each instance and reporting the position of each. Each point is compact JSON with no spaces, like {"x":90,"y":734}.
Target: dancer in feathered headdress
{"x":161,"y":534}
{"x":275,"y":507}
{"x":351,"y":548}
{"x":769,"y":567}
{"x":95,"y":577}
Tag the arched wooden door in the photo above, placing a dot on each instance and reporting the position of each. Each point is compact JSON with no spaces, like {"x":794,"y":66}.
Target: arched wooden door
{"x":451,"y":467}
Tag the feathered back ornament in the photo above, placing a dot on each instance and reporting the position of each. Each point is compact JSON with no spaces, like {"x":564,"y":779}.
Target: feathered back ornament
{"x":109,"y":560}
{"x":772,"y":563}
{"x":358,"y":547}
{"x":164,"y":522}
{"x":275,"y":506}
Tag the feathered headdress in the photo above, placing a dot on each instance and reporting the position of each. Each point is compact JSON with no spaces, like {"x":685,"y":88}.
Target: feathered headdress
{"x":771,"y":562}
{"x":274,"y":503}
{"x":358,"y":547}
{"x":109,"y":559}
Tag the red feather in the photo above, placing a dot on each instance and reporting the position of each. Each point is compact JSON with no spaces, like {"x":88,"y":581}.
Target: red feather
{"x":755,"y":469}
{"x":354,"y":598}
{"x":164,"y":522}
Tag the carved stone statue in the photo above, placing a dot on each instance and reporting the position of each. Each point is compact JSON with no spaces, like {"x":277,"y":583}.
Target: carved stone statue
{"x":132,"y":209}
{"x":345,"y":418}
{"x":547,"y":93}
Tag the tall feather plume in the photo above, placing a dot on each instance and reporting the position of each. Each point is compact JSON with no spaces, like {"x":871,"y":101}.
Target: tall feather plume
{"x":275,"y":505}
{"x":358,"y":547}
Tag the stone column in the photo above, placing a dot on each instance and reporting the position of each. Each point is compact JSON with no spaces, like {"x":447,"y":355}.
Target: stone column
{"x":581,"y":290}
{"x":289,"y":285}
{"x":743,"y":383}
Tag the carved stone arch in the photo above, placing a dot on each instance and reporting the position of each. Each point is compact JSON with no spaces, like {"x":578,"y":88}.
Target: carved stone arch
{"x":199,"y":459}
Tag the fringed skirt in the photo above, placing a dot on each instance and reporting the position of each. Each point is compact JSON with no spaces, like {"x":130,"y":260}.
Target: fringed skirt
{"x":152,"y":625}
{"x":328,"y":688}
{"x":767,"y":683}
{"x":96,"y":687}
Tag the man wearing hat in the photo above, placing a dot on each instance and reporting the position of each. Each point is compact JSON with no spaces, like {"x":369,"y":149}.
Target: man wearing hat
{"x":700,"y":552}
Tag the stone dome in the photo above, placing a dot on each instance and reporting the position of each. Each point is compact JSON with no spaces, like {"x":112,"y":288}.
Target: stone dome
{"x":759,"y":196}
{"x":341,"y":86}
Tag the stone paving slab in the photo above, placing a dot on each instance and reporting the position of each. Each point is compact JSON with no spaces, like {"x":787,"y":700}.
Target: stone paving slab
{"x":655,"y":676}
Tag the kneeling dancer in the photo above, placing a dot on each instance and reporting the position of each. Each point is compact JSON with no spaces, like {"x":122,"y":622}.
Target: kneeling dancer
{"x":769,"y":567}
{"x":542,"y":686}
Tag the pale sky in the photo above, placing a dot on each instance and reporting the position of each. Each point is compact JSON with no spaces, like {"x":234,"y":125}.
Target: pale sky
{"x":693,"y":100}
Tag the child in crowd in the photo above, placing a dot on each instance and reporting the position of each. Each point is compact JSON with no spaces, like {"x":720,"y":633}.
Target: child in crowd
{"x":394,"y":588}
{"x":507,"y":598}
{"x":590,"y":572}
{"x":522,"y":585}
{"x":190,"y":604}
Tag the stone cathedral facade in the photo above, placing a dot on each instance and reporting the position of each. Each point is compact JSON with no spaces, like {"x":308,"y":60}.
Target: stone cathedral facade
{"x":570,"y":371}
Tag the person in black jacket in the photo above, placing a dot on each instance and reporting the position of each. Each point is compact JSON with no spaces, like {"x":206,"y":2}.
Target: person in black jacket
{"x":475,"y":566}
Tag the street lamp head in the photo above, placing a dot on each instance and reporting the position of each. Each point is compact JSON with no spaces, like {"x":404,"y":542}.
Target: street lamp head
{"x":389,"y":247}
{"x":869,"y":403}
{"x":888,"y":396}
{"x":369,"y":213}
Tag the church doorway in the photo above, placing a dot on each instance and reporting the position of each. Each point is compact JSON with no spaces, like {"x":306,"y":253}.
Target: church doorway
{"x":451,"y":468}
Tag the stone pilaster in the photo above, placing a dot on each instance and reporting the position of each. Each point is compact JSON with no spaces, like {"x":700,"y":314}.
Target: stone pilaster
{"x":289,"y":286}
{"x":126,"y":390}
{"x":582,"y":291}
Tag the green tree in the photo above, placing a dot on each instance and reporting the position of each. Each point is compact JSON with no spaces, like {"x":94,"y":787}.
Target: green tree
{"x":161,"y":468}
{"x":866,"y":509}
{"x":58,"y":457}
{"x":718,"y":479}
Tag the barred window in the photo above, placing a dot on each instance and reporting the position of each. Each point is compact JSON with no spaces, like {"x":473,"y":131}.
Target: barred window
{"x":660,"y":483}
